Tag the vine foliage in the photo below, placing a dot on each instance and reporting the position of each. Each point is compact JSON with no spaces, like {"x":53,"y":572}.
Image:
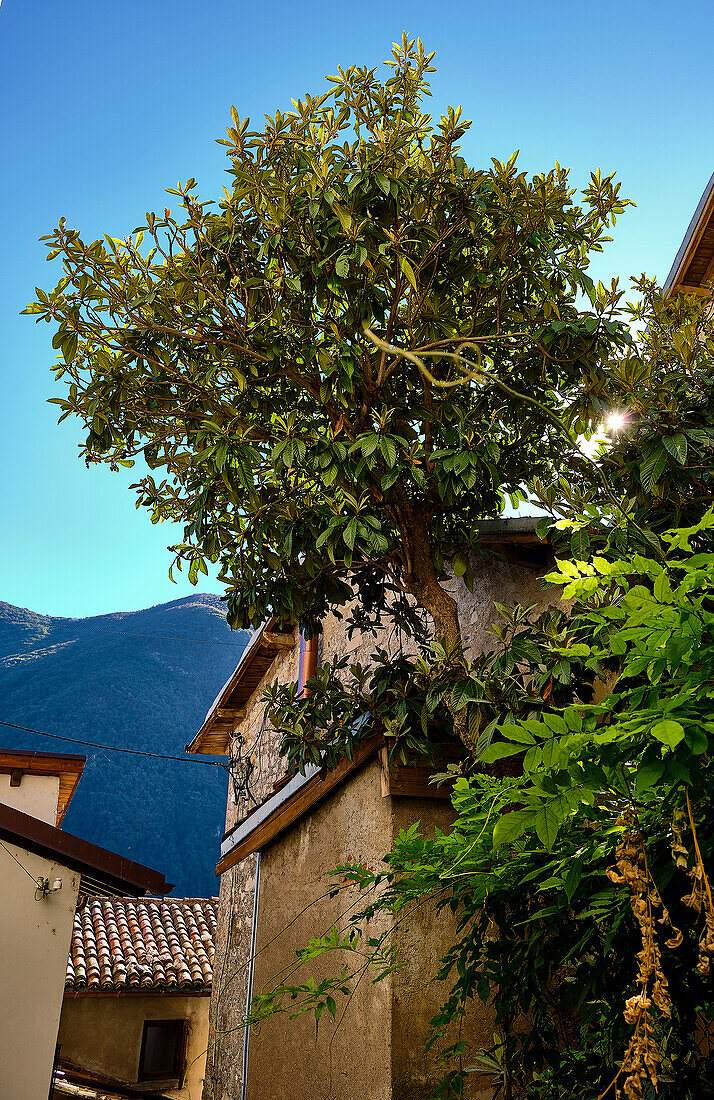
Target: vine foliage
{"x":580,"y":880}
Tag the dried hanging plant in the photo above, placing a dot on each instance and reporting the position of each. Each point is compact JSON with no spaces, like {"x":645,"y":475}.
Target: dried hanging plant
{"x":641,"y":1061}
{"x":700,"y":900}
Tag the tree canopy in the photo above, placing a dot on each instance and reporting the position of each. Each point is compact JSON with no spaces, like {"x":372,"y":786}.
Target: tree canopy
{"x":353,"y":357}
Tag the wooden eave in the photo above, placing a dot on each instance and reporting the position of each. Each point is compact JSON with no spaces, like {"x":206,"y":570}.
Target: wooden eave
{"x":228,"y":707}
{"x":67,"y":767}
{"x":693,"y":267}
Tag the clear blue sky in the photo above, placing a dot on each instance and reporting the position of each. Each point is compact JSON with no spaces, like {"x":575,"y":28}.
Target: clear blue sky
{"x":105,"y":104}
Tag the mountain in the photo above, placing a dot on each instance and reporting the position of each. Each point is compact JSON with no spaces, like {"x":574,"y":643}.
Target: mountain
{"x":141,"y":680}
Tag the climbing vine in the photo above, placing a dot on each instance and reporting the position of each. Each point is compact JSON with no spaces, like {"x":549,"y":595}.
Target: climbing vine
{"x":581,"y":879}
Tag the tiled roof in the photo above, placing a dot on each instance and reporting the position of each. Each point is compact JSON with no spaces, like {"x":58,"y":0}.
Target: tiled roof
{"x":148,"y":944}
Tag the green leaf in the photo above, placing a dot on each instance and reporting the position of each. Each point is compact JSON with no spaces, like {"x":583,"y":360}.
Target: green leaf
{"x":663,"y":589}
{"x":651,"y":467}
{"x":463,"y":692}
{"x":580,"y":544}
{"x":408,"y":271}
{"x":512,"y":826}
{"x":668,"y":732}
{"x":344,"y":216}
{"x":499,"y":750}
{"x":696,"y":740}
{"x":350,"y":534}
{"x":460,"y":564}
{"x":647,"y":775}
{"x":389,"y":450}
{"x":517,"y":733}
{"x":547,"y":824}
{"x":677,"y":446}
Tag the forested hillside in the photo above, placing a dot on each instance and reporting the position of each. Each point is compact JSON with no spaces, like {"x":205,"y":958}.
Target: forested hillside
{"x":141,"y":680}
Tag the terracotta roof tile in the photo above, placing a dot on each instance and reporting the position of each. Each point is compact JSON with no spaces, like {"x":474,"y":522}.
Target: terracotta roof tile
{"x":142,"y":943}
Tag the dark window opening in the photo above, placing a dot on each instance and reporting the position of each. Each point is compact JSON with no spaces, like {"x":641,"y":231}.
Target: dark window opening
{"x":162,"y":1050}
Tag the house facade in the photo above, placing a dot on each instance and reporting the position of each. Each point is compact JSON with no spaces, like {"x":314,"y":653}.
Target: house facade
{"x":135,"y":1010}
{"x":43,"y":870}
{"x":282,"y":843}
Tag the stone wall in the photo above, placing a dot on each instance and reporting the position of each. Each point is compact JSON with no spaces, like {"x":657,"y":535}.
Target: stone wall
{"x":224,"y":1062}
{"x":499,"y":581}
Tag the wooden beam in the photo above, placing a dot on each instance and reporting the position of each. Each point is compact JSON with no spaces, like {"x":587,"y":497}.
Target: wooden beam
{"x":411,"y":780}
{"x":701,"y":291}
{"x":281,"y":641}
{"x":16,"y":777}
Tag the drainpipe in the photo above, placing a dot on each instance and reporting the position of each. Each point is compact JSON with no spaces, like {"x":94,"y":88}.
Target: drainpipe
{"x":309,"y":648}
{"x":251,"y":971}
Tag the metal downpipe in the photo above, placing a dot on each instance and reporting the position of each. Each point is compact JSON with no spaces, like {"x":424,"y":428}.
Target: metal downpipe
{"x":251,"y":971}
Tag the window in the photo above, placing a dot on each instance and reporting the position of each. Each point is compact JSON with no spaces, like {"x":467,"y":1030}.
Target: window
{"x":162,"y":1050}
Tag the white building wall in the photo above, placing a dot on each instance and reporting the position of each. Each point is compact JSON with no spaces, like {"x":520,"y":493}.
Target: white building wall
{"x":34,"y":946}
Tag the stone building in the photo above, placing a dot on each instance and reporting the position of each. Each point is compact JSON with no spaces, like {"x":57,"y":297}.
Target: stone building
{"x":276,"y":857}
{"x":43,"y":871}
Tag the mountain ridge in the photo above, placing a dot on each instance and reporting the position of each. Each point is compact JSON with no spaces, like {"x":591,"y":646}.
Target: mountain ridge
{"x":146,"y":688}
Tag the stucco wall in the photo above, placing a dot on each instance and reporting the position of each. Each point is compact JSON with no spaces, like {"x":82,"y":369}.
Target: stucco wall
{"x":34,"y":940}
{"x":375,"y":1046}
{"x":423,"y":940}
{"x":287,"y":1057}
{"x":103,"y":1033}
{"x":37,"y":796}
{"x":499,"y":581}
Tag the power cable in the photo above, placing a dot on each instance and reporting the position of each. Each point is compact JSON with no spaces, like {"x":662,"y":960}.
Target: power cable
{"x":21,"y":865}
{"x":115,"y":748}
{"x":162,"y":637}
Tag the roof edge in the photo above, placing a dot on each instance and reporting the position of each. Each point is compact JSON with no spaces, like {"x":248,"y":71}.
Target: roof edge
{"x":109,"y":868}
{"x":691,"y":237}
{"x":251,"y":651}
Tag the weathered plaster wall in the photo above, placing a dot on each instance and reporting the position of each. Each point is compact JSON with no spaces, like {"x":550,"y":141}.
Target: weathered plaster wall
{"x":499,"y":581}
{"x":288,"y":1057}
{"x":37,"y":795}
{"x":375,"y":1047}
{"x":423,"y":940}
{"x":34,"y":946}
{"x":103,"y":1034}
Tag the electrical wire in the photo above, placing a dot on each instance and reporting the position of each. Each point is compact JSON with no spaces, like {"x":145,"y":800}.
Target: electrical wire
{"x":17,"y":861}
{"x":162,"y":637}
{"x":115,"y":748}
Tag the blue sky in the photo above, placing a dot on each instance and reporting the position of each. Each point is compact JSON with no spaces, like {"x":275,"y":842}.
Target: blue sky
{"x":105,"y":104}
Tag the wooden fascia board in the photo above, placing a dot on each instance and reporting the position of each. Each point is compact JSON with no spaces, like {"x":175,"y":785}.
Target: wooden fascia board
{"x":688,"y":247}
{"x":287,"y":806}
{"x":265,"y":636}
{"x":109,"y":869}
{"x":410,"y":780}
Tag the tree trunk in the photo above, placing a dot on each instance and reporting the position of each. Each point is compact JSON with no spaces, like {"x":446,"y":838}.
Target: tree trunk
{"x":432,"y":597}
